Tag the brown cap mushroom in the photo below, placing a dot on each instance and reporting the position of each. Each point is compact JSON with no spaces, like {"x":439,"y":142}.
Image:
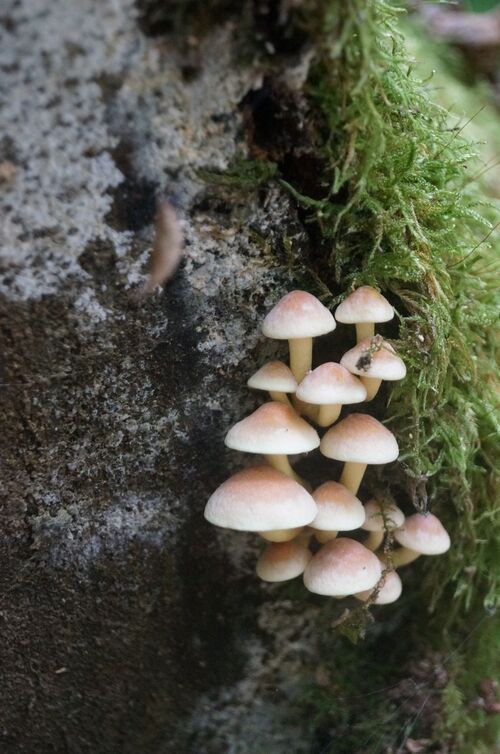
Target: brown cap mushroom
{"x":379,"y":519}
{"x":374,"y":360}
{"x":389,"y":592}
{"x":260,"y":499}
{"x":421,"y":534}
{"x":342,"y":567}
{"x":338,"y":510}
{"x":274,"y":430}
{"x":363,"y":308}
{"x":359,"y":440}
{"x":330,"y":386}
{"x":284,"y":561}
{"x":298,"y":317}
{"x":275,"y":377}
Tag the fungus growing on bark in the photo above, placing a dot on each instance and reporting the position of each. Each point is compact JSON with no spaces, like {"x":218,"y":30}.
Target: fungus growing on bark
{"x":421,"y":534}
{"x":277,"y":379}
{"x":379,"y":519}
{"x":330,"y":386}
{"x":374,"y":360}
{"x":284,"y":561}
{"x":276,"y":431}
{"x":359,"y":440}
{"x":298,"y":317}
{"x":342,"y":567}
{"x":363,"y":308}
{"x":338,"y":510}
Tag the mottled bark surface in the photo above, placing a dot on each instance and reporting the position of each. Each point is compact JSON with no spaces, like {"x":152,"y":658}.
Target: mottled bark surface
{"x":129,"y":624}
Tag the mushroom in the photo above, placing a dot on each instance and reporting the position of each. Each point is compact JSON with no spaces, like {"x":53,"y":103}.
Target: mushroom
{"x":274,"y":430}
{"x":380,"y":518}
{"x":260,"y":499}
{"x":358,"y":440}
{"x":338,"y":510}
{"x":421,"y":534}
{"x":298,"y":317}
{"x":275,"y":377}
{"x":342,"y":567}
{"x":363,"y":307}
{"x":330,"y":386}
{"x":388,"y":592}
{"x":284,"y":561}
{"x":374,"y":360}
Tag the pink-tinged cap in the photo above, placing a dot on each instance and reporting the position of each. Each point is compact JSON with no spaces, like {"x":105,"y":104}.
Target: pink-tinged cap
{"x":423,"y":533}
{"x":381,"y":364}
{"x":331,"y":383}
{"x":298,"y":315}
{"x":338,"y":508}
{"x":389,"y":592}
{"x":260,"y":499}
{"x":274,"y":428}
{"x":341,"y":567}
{"x":283,"y":561}
{"x":360,"y":438}
{"x":374,"y":520}
{"x":274,"y":376}
{"x":365,"y":304}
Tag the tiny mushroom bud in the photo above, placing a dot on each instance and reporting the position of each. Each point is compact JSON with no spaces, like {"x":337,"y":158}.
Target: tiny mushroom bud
{"x":274,"y":430}
{"x":363,"y":308}
{"x":421,"y":534}
{"x":374,"y":360}
{"x":359,"y":440}
{"x":338,"y":510}
{"x":298,"y":317}
{"x":275,"y":377}
{"x":330,"y":386}
{"x":389,"y":592}
{"x":260,"y":499}
{"x":342,"y":567}
{"x":379,"y":519}
{"x":284,"y":561}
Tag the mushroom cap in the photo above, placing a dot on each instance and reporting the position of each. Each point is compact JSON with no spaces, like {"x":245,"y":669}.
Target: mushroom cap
{"x":365,"y":304}
{"x":274,"y":376}
{"x":273,"y":428}
{"x":338,"y":508}
{"x":282,"y":561}
{"x":298,"y":315}
{"x":360,"y":438}
{"x":331,"y":383}
{"x":374,"y":520}
{"x":341,"y":567}
{"x":423,"y":533}
{"x":389,"y":592}
{"x":260,"y":499}
{"x":383,"y":365}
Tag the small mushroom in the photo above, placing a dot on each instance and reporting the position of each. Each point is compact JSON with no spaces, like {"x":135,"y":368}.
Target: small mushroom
{"x":421,"y":534}
{"x":260,"y":499}
{"x":342,"y":567}
{"x":390,"y":591}
{"x":338,"y":510}
{"x":330,"y":386}
{"x":298,"y":317}
{"x":363,"y":307}
{"x":275,"y":377}
{"x":276,"y":431}
{"x":379,"y":519}
{"x":284,"y":561}
{"x":358,"y":440}
{"x":374,"y":360}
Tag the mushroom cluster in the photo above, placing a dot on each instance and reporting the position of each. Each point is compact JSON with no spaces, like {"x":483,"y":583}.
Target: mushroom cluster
{"x":300,"y":525}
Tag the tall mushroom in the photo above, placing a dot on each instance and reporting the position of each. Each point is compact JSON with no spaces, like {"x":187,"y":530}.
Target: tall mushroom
{"x":374,"y":360}
{"x":358,"y":440}
{"x":338,"y":510}
{"x":421,"y":534}
{"x":276,"y":431}
{"x":330,"y":386}
{"x":379,"y":519}
{"x":298,"y":317}
{"x":342,"y":567}
{"x":275,"y":377}
{"x":363,"y":307}
{"x":284,"y":561}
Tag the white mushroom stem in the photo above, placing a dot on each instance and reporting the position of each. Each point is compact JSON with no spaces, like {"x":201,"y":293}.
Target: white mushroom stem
{"x":324,"y":536}
{"x":280,"y":535}
{"x":374,"y":540}
{"x":403,"y":555}
{"x":300,"y":357}
{"x":279,"y":397}
{"x":372,"y":385}
{"x":364,"y":330}
{"x":281,"y":463}
{"x":352,"y":474}
{"x":328,"y":414}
